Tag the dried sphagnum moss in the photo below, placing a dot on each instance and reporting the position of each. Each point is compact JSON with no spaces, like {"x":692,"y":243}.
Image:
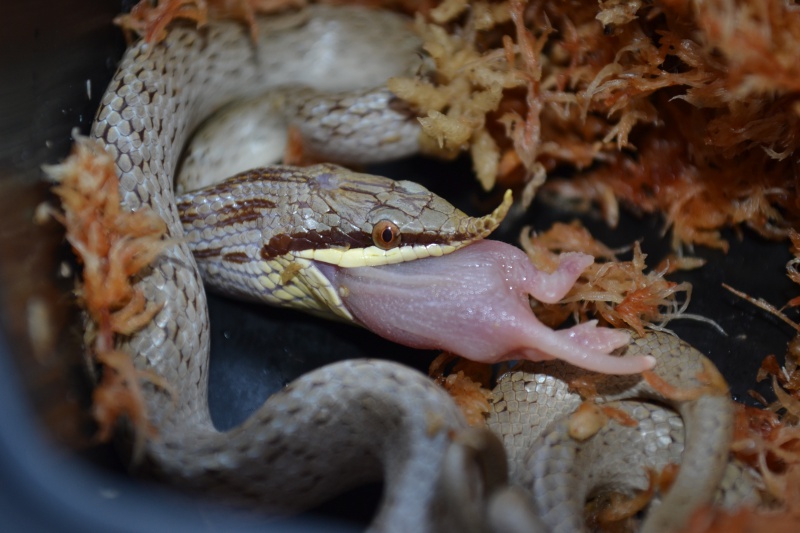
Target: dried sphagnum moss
{"x":468,"y":86}
{"x":113,"y":246}
{"x":150,"y":20}
{"x":685,"y":108}
{"x":621,"y":293}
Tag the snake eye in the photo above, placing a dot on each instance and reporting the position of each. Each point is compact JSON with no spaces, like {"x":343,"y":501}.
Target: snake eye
{"x":386,"y":235}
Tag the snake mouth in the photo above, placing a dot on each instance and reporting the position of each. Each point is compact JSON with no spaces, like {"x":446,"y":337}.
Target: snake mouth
{"x":475,"y":302}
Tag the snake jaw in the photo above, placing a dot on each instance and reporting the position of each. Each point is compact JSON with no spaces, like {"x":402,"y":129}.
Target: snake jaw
{"x":372,"y":256}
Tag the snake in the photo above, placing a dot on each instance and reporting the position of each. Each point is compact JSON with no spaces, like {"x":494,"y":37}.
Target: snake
{"x":280,"y":234}
{"x":340,"y":426}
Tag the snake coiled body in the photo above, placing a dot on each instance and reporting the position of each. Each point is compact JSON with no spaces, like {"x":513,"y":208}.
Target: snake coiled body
{"x":532,"y":409}
{"x":343,"y":424}
{"x":309,"y":440}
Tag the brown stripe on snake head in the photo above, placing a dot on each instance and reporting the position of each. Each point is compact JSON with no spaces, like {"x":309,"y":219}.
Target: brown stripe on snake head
{"x":333,"y":238}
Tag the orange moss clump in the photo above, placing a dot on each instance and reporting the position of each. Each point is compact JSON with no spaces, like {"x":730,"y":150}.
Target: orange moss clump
{"x":619,"y":292}
{"x":467,"y":382}
{"x":113,"y":245}
{"x":151,"y":20}
{"x":685,"y":108}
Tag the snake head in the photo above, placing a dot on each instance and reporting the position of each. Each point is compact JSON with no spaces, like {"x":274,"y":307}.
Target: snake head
{"x":365,"y":220}
{"x":329,"y":214}
{"x":267,"y":234}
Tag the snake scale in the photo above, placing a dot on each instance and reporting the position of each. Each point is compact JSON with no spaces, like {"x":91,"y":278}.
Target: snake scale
{"x":348,"y":422}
